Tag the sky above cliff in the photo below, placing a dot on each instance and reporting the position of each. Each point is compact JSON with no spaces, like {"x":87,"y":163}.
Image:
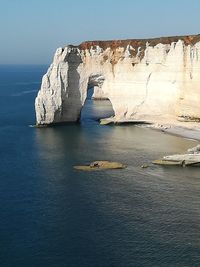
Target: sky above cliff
{"x":31,"y":30}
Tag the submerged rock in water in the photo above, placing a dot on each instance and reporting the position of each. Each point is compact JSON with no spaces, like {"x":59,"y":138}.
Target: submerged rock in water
{"x":167,"y":162}
{"x":100,"y":165}
{"x":144,"y":166}
{"x":192,"y":158}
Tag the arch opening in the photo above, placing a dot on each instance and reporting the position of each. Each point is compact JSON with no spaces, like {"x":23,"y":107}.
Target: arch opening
{"x":97,"y":105}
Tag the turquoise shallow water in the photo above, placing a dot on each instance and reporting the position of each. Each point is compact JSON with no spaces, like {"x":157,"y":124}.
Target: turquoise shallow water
{"x":52,"y":215}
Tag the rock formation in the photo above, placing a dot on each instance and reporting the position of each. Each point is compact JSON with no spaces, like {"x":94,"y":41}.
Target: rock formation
{"x":101,"y":165}
{"x":191,"y":158}
{"x":143,"y":79}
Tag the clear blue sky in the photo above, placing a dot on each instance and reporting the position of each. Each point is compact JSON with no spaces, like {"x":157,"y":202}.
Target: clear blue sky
{"x":31,"y":30}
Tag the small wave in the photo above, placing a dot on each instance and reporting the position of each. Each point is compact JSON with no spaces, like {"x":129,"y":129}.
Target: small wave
{"x":26,"y":83}
{"x":19,"y":83}
{"x":25,"y":92}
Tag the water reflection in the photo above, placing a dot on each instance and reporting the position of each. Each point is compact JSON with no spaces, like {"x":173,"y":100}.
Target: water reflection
{"x":52,"y":215}
{"x":118,"y":216}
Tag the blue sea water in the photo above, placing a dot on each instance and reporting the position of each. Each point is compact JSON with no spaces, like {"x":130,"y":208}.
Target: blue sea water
{"x":53,"y":215}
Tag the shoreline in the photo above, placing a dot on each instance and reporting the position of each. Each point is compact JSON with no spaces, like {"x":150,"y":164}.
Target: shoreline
{"x":184,"y":132}
{"x":183,"y":129}
{"x":189,"y":130}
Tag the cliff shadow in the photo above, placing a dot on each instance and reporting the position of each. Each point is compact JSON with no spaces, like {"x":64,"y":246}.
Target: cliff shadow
{"x":71,"y":97}
{"x":77,"y":104}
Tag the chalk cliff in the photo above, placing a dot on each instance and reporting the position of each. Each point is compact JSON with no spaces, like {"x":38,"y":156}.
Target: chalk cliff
{"x":143,"y":79}
{"x":98,"y":94}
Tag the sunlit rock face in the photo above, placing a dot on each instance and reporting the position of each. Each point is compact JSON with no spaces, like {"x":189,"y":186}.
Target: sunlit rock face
{"x":98,"y":94}
{"x":143,"y":79}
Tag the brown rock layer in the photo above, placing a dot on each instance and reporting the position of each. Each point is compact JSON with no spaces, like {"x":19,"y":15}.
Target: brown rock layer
{"x":113,"y":44}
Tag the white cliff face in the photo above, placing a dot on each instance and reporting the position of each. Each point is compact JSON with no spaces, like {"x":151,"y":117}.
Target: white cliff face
{"x":142,"y":82}
{"x":98,"y":94}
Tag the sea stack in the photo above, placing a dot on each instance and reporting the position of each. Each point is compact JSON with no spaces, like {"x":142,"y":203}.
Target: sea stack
{"x":143,"y":79}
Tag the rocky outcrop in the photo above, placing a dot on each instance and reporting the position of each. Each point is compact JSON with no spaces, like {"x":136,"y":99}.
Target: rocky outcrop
{"x":191,"y":158}
{"x":101,"y":165}
{"x":143,"y":79}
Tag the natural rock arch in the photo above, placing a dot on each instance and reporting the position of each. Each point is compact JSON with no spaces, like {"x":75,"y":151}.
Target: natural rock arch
{"x":143,"y":79}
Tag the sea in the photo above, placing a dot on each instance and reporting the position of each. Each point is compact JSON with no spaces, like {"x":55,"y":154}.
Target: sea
{"x":53,"y":215}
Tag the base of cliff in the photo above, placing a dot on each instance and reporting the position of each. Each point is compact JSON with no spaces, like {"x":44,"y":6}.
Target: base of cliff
{"x":190,"y":130}
{"x":113,"y":121}
{"x":170,"y":125}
